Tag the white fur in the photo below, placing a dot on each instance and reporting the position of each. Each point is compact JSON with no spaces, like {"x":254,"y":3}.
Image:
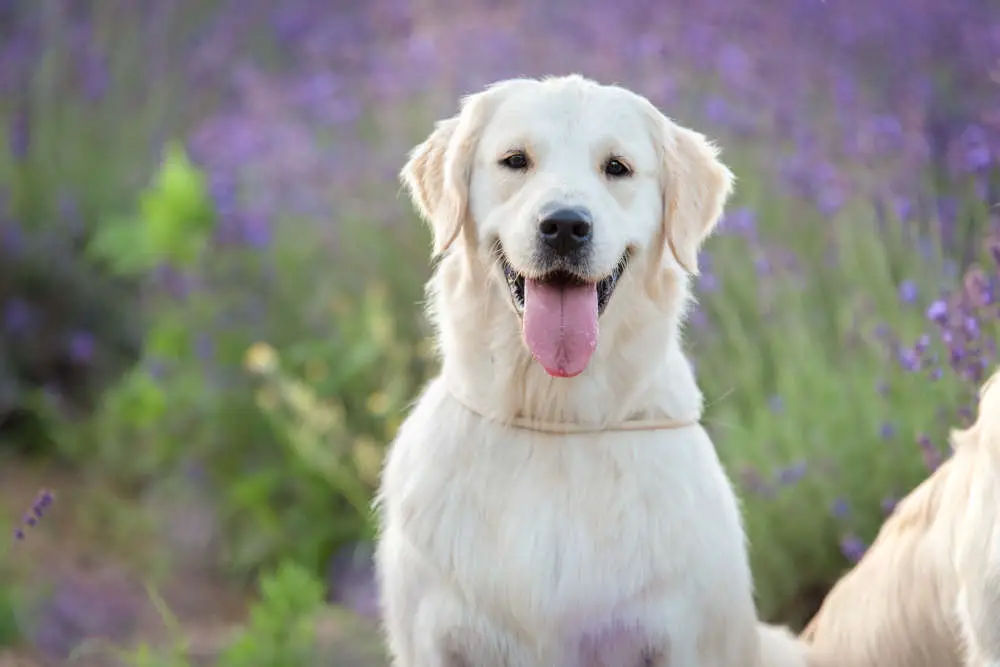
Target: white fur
{"x":505,"y":547}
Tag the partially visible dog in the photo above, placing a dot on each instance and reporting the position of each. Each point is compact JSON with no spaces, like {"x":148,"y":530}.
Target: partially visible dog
{"x":927,"y":592}
{"x":552,"y":501}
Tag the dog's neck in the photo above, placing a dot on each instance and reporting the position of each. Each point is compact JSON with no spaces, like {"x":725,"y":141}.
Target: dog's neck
{"x":638,"y":372}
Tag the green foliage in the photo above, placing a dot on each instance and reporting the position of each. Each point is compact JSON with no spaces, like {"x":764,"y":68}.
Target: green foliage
{"x":10,"y":630}
{"x":813,"y":415}
{"x":86,"y":149}
{"x":295,"y":446}
{"x":281,"y":629}
{"x":171,"y":226}
{"x":332,"y":404}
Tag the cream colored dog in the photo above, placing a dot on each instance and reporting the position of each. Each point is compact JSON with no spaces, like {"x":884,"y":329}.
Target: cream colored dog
{"x":927,"y":592}
{"x":552,"y":500}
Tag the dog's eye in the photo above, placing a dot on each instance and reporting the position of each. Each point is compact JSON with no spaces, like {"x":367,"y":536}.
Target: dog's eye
{"x":616,"y":169}
{"x":516,"y":161}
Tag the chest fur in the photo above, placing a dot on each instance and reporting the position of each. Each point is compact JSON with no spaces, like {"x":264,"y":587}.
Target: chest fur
{"x":540,"y":528}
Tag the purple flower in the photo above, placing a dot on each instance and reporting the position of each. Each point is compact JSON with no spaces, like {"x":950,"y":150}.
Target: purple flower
{"x":841,"y":509}
{"x":717,"y":110}
{"x":970,"y":326}
{"x":157,"y":368}
{"x":909,"y":359}
{"x":82,"y":607}
{"x":792,"y":474}
{"x":81,"y":347}
{"x":976,"y":153}
{"x":853,"y":547}
{"x":352,"y":581}
{"x":932,"y":457}
{"x":95,"y":76}
{"x":698,"y":317}
{"x":754,"y":482}
{"x":908,"y":291}
{"x":902,"y":207}
{"x":830,"y":199}
{"x":42,"y":502}
{"x":18,"y":316}
{"x":733,"y":64}
{"x":947,"y":210}
{"x":741,"y":221}
{"x":244,"y":227}
{"x":938,"y":312}
{"x":887,"y":131}
{"x":256,"y":231}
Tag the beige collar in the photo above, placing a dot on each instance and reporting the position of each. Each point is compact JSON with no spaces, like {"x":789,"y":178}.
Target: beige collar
{"x":566,"y":428}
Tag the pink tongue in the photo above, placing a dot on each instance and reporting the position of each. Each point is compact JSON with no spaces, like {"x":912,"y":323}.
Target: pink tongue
{"x":560,"y":326}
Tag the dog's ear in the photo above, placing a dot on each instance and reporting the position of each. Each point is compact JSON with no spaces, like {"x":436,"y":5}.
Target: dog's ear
{"x":424,"y":176}
{"x":696,"y":186}
{"x":439,"y":171}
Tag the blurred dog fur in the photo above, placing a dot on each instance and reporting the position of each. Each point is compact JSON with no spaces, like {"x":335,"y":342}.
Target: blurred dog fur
{"x":503,"y":542}
{"x":927,"y":592}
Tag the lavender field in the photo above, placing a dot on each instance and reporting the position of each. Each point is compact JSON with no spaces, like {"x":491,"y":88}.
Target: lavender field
{"x":210,"y":288}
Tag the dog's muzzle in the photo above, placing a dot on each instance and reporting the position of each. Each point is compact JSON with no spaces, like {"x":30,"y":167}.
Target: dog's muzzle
{"x":559,"y":312}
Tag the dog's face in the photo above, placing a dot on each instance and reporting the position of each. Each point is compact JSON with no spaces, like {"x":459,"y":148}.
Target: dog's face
{"x":561,"y":187}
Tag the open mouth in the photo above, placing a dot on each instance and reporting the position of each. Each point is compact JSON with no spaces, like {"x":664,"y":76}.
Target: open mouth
{"x":560,"y":313}
{"x":561,"y":279}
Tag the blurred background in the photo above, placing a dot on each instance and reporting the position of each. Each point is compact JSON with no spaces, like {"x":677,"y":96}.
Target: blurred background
{"x":210,"y":288}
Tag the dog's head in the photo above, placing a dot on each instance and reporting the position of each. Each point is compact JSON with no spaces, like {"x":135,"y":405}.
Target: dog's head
{"x":564,"y":192}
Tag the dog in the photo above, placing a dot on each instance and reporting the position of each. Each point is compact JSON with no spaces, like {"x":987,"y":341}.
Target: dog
{"x":927,"y":592}
{"x":551,"y":500}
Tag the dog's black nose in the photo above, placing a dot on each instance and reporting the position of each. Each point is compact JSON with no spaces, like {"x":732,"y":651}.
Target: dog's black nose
{"x":566,"y":230}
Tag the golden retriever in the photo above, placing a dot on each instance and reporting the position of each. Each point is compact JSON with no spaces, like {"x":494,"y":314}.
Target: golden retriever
{"x":927,"y":592}
{"x":551,"y":500}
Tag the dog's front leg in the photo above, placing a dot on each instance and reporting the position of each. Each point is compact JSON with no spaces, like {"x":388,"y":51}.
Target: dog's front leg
{"x":714,"y":651}
{"x":449,"y":632}
{"x":476,"y":644}
{"x":979,"y":613}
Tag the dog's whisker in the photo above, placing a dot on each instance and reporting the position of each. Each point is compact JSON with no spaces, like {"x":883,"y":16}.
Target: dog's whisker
{"x":727,"y":425}
{"x":718,"y":399}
